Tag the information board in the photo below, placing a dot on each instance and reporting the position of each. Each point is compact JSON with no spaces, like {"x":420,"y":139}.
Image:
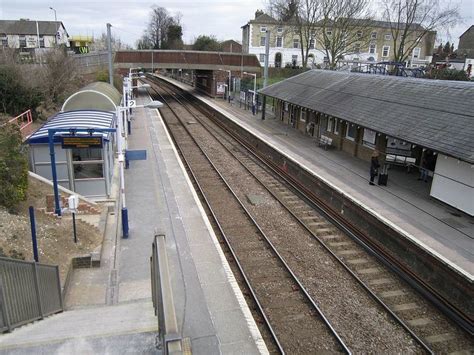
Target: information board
{"x":69,"y":142}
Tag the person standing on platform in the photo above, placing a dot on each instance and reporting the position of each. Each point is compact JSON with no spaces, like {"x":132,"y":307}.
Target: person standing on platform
{"x":374,"y":166}
{"x":424,"y":169}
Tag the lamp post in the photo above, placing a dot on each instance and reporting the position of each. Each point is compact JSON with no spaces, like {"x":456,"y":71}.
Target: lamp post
{"x":254,"y":103}
{"x":56,"y":22}
{"x":121,"y":150}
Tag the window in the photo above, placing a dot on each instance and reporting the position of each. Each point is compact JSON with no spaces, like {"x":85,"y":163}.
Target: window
{"x":296,"y":43}
{"x":372,"y":49}
{"x":385,"y":51}
{"x":42,"y":41}
{"x":263,"y":28}
{"x":311,"y":43}
{"x":22,"y":41}
{"x":4,"y":40}
{"x":351,"y":131}
{"x":337,"y":123}
{"x":329,"y":33}
{"x":262,"y":57}
{"x":388,"y":36}
{"x":329,"y":125}
{"x":359,"y":34}
{"x":357,"y":48}
{"x":280,"y":29}
{"x":303,"y":116}
{"x":416,"y":53}
{"x":262,"y":41}
{"x":369,"y":138}
{"x":373,"y":35}
{"x":87,"y":163}
{"x":279,"y":42}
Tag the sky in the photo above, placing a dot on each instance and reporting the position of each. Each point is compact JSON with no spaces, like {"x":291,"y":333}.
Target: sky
{"x":221,"y":18}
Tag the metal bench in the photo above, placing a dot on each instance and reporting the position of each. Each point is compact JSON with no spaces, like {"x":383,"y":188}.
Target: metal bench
{"x":325,"y":142}
{"x":401,"y":160}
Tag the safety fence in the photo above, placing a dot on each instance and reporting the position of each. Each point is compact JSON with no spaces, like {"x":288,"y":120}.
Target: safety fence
{"x":96,"y":59}
{"x":28,"y":291}
{"x":24,"y":121}
{"x":162,"y":295}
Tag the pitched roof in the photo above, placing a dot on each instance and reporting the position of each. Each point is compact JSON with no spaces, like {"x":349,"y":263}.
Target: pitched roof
{"x":27,"y":27}
{"x":436,"y":114}
{"x":264,"y":19}
{"x":468,"y":30}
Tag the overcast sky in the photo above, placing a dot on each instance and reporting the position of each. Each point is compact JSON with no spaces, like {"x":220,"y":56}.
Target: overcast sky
{"x":222,"y":18}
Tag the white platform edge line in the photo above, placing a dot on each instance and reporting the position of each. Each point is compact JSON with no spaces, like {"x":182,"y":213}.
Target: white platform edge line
{"x":252,"y":326}
{"x":350,"y":197}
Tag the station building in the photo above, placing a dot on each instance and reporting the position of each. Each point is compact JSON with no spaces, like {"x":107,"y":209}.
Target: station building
{"x":87,"y":171}
{"x":409,"y":121}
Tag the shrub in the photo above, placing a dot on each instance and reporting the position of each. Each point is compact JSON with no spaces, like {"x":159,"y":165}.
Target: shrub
{"x":13,"y":168}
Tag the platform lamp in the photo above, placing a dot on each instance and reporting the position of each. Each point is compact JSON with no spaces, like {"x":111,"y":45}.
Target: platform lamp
{"x":121,"y":158}
{"x":254,"y":103}
{"x":56,"y":23}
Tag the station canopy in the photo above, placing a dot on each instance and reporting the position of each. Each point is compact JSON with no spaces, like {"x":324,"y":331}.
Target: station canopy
{"x":95,"y":96}
{"x":75,"y":119}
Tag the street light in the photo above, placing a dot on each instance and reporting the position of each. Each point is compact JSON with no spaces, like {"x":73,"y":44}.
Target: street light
{"x":121,"y":150}
{"x":56,"y":22}
{"x":254,"y":103}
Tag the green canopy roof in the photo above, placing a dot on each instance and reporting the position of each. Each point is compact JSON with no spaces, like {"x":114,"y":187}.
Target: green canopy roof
{"x":95,"y":96}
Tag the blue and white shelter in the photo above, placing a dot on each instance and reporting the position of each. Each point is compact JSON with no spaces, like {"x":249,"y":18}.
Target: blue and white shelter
{"x":87,"y":171}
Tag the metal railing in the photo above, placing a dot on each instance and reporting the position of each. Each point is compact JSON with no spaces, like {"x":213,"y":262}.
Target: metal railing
{"x":28,"y":291}
{"x":162,"y":296}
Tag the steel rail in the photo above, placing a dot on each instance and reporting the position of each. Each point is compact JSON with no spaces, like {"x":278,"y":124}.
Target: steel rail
{"x":425,"y":290}
{"x":270,"y":244}
{"x":313,"y":235}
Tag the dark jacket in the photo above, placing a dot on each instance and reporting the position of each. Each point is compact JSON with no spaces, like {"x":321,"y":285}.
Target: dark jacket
{"x":374,"y":165}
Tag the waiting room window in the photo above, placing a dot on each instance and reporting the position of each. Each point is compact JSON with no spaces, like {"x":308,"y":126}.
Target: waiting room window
{"x":4,"y":40}
{"x":372,"y":49}
{"x":351,"y":131}
{"x":373,"y":35}
{"x":303,"y":115}
{"x":262,"y":57}
{"x":369,"y":138}
{"x":385,"y":51}
{"x":337,"y":124}
{"x":22,"y":41}
{"x":87,"y":163}
{"x":416,"y":53}
{"x":262,"y":41}
{"x":296,"y":43}
{"x":279,"y":42}
{"x":329,"y":125}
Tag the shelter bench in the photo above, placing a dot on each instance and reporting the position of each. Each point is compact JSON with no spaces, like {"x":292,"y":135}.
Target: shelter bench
{"x":401,"y":160}
{"x":325,"y":142}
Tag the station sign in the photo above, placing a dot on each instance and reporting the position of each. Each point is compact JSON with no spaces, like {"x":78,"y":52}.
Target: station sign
{"x":78,"y":142}
{"x":132,"y":103}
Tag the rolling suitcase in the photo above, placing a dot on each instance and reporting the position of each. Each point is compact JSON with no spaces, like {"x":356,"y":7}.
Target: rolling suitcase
{"x":383,"y":176}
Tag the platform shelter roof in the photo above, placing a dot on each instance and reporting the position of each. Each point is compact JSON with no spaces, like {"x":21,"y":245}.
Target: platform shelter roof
{"x":95,"y":96}
{"x":71,"y":120}
{"x":435,"y":114}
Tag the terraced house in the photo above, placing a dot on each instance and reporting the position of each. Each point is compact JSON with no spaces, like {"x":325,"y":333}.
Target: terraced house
{"x":375,"y":43}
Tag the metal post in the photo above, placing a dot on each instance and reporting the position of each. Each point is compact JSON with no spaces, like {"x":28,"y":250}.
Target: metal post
{"x":57,"y":206}
{"x":74,"y":226}
{"x":33,"y":233}
{"x":264,"y":103}
{"x":267,"y":53}
{"x":121,"y":159}
{"x":230,"y":84}
{"x":56,"y":23}
{"x":109,"y":52}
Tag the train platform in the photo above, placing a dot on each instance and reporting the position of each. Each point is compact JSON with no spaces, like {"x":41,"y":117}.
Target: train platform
{"x":109,"y":309}
{"x":404,"y":204}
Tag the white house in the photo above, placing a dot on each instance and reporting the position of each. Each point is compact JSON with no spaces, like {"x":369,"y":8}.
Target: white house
{"x":31,"y":36}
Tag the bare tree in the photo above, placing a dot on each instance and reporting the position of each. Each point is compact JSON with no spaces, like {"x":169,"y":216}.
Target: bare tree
{"x":100,"y":43}
{"x":158,"y":27}
{"x":345,"y":28}
{"x":411,"y":20}
{"x":302,"y":16}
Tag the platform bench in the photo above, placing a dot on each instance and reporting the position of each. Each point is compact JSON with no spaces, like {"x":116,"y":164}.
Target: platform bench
{"x":325,"y":142}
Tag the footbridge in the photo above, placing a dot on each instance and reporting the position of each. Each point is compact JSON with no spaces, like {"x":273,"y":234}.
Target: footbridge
{"x":187,"y":60}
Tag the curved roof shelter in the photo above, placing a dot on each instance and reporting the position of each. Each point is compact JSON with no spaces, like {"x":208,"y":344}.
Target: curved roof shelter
{"x":95,"y":96}
{"x":435,"y":114}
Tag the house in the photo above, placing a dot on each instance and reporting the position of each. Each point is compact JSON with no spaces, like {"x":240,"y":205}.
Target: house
{"x":231,"y":46}
{"x":466,"y":43}
{"x":285,"y":46}
{"x":30,"y":36}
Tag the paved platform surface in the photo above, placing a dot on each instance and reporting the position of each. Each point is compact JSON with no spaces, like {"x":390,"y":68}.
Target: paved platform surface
{"x":109,"y":309}
{"x":405,"y":203}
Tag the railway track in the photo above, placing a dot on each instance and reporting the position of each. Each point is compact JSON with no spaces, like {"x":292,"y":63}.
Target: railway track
{"x":390,"y":295}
